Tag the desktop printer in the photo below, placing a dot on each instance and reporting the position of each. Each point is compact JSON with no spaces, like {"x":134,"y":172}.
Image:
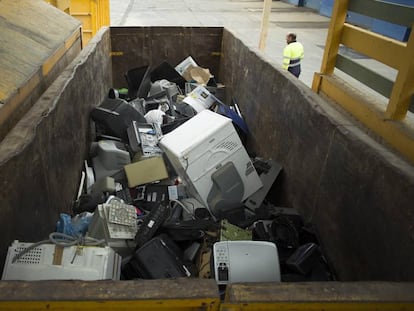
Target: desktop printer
{"x":245,"y":261}
{"x":53,"y":262}
{"x":208,"y":154}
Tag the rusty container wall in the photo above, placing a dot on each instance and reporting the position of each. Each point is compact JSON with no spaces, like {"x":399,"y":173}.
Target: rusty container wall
{"x":37,"y":42}
{"x":357,"y":193}
{"x":135,"y":47}
{"x":41,"y":158}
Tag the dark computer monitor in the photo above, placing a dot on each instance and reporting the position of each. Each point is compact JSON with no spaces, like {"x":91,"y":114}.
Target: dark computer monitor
{"x":114,"y":116}
{"x":139,"y":82}
{"x":167,"y":72}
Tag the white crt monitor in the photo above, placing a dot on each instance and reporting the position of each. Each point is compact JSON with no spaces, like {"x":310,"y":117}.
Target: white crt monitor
{"x":201,"y":146}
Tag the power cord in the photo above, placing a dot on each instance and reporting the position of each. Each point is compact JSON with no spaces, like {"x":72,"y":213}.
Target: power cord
{"x":63,"y":240}
{"x":184,"y":207}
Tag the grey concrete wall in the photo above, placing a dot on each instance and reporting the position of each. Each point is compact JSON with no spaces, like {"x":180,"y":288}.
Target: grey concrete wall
{"x":356,"y":191}
{"x":42,"y":157}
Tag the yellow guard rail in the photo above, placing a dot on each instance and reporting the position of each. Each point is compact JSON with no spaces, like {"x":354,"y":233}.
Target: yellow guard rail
{"x":391,"y":120}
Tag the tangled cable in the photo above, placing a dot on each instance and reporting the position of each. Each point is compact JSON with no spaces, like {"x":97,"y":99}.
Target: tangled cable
{"x":63,"y":240}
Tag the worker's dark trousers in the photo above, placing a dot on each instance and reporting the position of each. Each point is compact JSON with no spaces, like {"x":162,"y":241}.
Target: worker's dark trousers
{"x":295,"y":70}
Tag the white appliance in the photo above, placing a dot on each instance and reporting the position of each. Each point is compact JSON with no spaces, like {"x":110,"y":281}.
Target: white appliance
{"x":51,"y":262}
{"x":201,"y":146}
{"x":245,"y":261}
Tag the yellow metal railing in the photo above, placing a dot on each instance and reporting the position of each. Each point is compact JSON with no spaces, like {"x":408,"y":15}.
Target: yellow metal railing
{"x":63,"y":5}
{"x":392,"y":122}
{"x":93,"y":14}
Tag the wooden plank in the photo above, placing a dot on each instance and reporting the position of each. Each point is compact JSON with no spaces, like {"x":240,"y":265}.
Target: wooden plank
{"x":319,"y":306}
{"x":317,"y":292}
{"x":112,"y":305}
{"x":319,"y":296}
{"x":165,"y":294}
{"x":180,"y":288}
{"x":390,"y":12}
{"x":385,"y":50}
{"x":365,"y":75}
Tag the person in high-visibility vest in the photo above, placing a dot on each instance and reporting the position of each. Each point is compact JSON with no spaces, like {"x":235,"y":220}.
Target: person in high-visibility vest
{"x":292,"y":55}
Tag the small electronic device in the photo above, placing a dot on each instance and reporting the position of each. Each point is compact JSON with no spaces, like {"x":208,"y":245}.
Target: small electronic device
{"x":116,"y":223}
{"x":305,"y":258}
{"x":143,"y":136}
{"x":268,"y":172}
{"x":139,"y":82}
{"x":190,"y":207}
{"x":154,"y":194}
{"x":105,"y":184}
{"x":52,"y":262}
{"x":89,"y":178}
{"x":159,"y":258}
{"x":167,"y":72}
{"x":111,"y":157}
{"x":152,"y":222}
{"x":164,"y":86}
{"x":122,"y":192}
{"x":245,"y":261}
{"x":230,"y":232}
{"x":114,"y":116}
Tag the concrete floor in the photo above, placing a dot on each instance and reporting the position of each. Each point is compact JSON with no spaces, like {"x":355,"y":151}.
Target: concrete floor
{"x":242,"y":17}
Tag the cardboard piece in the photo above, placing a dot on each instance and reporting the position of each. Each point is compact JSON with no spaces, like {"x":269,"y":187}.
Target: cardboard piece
{"x":145,"y":171}
{"x":197,"y":74}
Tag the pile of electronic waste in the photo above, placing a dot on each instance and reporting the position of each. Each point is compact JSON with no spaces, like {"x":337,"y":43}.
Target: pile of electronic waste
{"x":169,"y":190}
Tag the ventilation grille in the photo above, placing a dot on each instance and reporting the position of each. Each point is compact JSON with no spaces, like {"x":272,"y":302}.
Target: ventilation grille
{"x":249,"y":168}
{"x":229,"y":145}
{"x":31,"y":257}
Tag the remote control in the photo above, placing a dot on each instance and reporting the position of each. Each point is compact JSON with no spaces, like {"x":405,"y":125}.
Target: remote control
{"x":152,"y":222}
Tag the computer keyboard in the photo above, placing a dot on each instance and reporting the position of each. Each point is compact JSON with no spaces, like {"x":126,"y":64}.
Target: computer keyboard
{"x":121,"y":213}
{"x":152,"y":222}
{"x":124,"y":195}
